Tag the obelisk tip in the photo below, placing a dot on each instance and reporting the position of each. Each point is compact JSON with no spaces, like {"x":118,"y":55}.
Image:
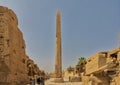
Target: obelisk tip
{"x":58,"y":12}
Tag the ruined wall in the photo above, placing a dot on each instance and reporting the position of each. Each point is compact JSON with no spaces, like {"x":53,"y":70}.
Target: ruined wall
{"x":103,"y":69}
{"x":13,"y":59}
{"x":95,"y":62}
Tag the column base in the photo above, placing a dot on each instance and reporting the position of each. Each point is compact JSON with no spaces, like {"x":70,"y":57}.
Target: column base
{"x":58,"y":80}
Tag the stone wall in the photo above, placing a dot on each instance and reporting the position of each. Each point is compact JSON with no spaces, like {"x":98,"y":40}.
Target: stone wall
{"x":95,"y":62}
{"x":13,"y":58}
{"x":103,"y":69}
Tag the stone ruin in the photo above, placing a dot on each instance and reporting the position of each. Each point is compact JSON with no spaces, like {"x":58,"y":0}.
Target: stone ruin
{"x":103,"y":69}
{"x":15,"y":66}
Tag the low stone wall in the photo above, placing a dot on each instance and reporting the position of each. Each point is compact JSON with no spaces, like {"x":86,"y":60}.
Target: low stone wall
{"x":75,"y":79}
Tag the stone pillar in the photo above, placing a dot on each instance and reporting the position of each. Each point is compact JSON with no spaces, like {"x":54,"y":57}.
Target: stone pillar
{"x":58,"y":60}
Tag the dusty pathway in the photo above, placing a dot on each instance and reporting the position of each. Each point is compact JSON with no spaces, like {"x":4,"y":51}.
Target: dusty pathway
{"x":49,"y":82}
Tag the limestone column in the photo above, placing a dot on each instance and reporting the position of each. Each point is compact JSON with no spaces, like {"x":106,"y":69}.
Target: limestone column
{"x":58,"y":60}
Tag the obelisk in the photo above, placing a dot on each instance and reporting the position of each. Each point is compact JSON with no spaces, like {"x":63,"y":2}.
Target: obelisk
{"x":58,"y":60}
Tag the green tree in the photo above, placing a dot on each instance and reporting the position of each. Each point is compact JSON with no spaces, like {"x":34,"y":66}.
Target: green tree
{"x":70,"y":69}
{"x":80,"y":67}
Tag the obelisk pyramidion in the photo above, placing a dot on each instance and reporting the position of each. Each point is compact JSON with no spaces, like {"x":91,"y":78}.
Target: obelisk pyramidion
{"x":58,"y":60}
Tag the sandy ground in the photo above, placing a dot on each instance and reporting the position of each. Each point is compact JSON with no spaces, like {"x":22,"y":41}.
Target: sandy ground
{"x":49,"y":82}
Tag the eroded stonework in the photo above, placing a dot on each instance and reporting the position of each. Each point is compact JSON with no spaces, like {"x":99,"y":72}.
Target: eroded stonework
{"x":103,"y":69}
{"x":14,"y":66}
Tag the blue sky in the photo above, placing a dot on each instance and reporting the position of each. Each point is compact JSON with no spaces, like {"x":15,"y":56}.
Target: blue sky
{"x":88,"y":27}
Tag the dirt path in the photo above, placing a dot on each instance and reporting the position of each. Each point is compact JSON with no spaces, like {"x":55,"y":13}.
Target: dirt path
{"x":49,"y":82}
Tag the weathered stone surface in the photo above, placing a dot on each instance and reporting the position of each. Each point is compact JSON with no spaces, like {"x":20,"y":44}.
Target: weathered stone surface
{"x":103,"y":69}
{"x":95,"y":62}
{"x":13,"y":58}
{"x":58,"y":61}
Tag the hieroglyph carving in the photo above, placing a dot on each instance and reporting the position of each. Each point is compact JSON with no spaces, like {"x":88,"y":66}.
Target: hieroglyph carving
{"x":3,"y":27}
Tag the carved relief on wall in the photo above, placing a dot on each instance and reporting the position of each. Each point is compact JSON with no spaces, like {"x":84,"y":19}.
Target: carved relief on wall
{"x":3,"y":32}
{"x":3,"y":21}
{"x":3,"y":25}
{"x":1,"y":48}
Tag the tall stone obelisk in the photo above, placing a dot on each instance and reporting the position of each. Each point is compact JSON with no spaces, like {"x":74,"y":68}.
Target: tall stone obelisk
{"x":58,"y":60}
